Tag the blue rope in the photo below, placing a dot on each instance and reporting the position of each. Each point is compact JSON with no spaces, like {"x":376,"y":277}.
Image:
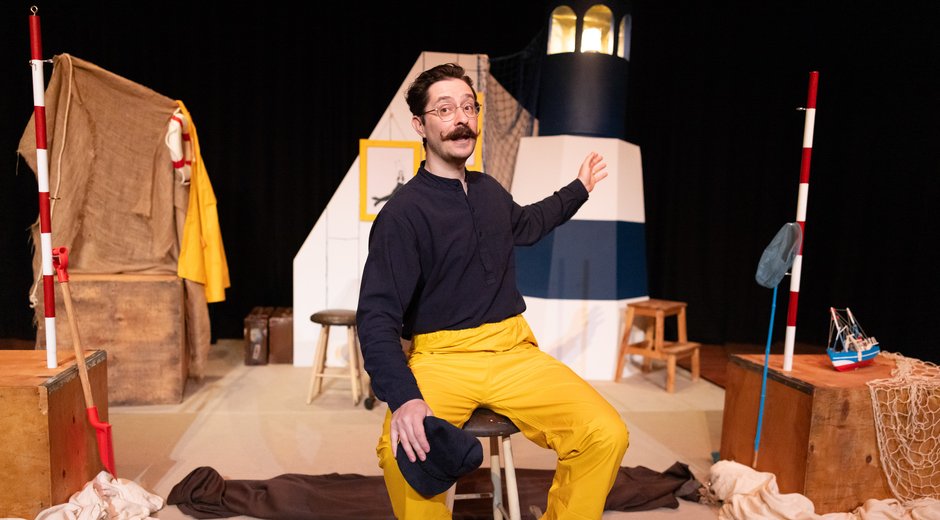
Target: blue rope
{"x":763,"y":384}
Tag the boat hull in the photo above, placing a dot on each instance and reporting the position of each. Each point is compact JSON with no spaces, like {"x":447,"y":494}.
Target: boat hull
{"x":850,"y":360}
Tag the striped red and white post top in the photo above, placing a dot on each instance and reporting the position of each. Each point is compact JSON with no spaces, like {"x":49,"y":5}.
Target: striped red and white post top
{"x":797,"y":267}
{"x":42,"y":163}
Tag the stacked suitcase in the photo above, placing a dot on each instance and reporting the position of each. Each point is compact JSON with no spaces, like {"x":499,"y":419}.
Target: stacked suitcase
{"x":269,"y":336}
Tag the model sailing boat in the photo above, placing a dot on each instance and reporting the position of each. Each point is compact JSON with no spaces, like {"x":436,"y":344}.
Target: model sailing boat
{"x":849,"y":347}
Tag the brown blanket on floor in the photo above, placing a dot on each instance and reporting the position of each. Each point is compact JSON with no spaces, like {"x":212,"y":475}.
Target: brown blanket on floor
{"x":206,"y":494}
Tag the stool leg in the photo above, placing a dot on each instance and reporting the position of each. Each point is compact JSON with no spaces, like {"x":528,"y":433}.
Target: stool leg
{"x":683,"y":334}
{"x":649,"y":336}
{"x":659,"y":338}
{"x":684,"y":338}
{"x":512,"y":489}
{"x":319,"y":361}
{"x":450,"y":497}
{"x":622,"y":357}
{"x":496,"y":478}
{"x":354,"y":379}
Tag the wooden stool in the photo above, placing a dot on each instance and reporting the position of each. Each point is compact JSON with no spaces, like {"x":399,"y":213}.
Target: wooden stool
{"x":498,"y":429}
{"x":654,"y":345}
{"x":327,"y":318}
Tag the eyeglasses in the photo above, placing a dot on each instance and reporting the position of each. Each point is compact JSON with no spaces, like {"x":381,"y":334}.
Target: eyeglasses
{"x":447,"y":111}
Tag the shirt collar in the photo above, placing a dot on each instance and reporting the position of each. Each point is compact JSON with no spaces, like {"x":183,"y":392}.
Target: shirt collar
{"x":444,"y":182}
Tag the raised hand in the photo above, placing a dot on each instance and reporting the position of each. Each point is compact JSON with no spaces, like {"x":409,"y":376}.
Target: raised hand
{"x":592,"y":171}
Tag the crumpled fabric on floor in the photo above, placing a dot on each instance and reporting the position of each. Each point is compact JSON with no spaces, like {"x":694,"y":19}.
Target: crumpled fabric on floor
{"x":748,"y":494}
{"x":106,"y":498}
{"x":204,"y":493}
{"x":642,"y":489}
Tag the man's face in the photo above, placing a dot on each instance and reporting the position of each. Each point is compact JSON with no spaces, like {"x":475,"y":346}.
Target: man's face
{"x":454,"y":140}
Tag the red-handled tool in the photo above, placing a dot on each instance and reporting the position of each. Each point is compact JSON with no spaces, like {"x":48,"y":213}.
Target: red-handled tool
{"x":60,"y":261}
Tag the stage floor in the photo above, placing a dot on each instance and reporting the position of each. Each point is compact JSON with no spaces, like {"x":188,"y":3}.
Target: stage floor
{"x":252,"y":422}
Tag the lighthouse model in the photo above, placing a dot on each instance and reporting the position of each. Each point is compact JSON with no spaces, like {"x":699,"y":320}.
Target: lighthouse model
{"x":578,"y":280}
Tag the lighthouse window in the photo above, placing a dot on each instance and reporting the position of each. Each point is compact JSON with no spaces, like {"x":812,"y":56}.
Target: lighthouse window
{"x":623,"y":45}
{"x":562,"y":30}
{"x":597,"y":35}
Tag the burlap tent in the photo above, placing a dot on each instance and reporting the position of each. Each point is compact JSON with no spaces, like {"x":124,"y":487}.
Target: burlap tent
{"x":118,"y":203}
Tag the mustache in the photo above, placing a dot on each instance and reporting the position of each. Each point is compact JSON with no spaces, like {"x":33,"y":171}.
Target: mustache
{"x":461,"y":132}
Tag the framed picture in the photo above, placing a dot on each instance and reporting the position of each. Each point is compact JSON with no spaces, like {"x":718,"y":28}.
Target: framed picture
{"x":384,"y":166}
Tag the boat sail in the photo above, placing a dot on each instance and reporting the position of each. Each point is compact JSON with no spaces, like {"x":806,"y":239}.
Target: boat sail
{"x":848,"y":346}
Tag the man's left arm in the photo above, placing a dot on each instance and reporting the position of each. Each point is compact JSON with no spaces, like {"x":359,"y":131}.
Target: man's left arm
{"x":532,"y":222}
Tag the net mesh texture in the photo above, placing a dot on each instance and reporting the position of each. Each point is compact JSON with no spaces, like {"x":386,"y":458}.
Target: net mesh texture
{"x":906,"y":408}
{"x":510,"y":105}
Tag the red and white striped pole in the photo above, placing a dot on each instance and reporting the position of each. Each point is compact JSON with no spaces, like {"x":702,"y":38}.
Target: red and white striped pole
{"x":42,"y":163}
{"x":797,"y":267}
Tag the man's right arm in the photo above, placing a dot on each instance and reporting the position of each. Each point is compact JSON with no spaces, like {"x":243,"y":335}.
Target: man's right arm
{"x":389,"y":279}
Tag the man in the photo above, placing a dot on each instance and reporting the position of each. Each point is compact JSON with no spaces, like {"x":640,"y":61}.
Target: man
{"x":441,"y":271}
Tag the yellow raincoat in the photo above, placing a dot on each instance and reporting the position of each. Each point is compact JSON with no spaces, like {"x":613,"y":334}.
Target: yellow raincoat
{"x":202,"y":255}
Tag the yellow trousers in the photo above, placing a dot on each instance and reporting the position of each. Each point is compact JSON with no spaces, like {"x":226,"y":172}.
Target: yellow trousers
{"x":499,"y":366}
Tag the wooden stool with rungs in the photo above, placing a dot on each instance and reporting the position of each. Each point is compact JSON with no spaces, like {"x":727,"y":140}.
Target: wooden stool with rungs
{"x":654,"y":345}
{"x":484,"y":422}
{"x":326,"y":319}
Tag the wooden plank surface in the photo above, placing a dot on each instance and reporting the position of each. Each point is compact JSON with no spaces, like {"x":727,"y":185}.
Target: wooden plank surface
{"x":27,"y":368}
{"x":816,"y":371}
{"x":843,"y":467}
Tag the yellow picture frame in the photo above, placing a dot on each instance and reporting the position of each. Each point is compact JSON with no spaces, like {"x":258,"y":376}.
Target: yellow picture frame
{"x":475,"y":162}
{"x":384,"y":166}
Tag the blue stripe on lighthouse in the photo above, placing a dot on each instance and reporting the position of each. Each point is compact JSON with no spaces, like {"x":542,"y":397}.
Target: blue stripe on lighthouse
{"x":586,"y":260}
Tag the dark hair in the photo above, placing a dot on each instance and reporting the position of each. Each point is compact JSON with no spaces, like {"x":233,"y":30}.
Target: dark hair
{"x":417,"y":94}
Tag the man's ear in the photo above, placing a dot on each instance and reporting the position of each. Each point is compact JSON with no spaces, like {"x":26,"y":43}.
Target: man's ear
{"x":418,"y":125}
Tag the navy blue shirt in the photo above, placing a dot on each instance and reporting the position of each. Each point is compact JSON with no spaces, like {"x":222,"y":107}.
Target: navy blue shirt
{"x":442,"y":259}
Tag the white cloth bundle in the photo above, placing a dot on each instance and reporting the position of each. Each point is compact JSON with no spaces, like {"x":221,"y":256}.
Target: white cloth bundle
{"x":747,"y":494}
{"x":106,"y":498}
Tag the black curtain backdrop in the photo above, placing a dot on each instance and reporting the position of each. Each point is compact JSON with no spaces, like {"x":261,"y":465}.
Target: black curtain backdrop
{"x":281,"y":95}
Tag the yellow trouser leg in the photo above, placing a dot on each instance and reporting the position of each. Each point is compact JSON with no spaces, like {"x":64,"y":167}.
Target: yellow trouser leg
{"x":555,"y":408}
{"x":406,"y":502}
{"x":500,"y":366}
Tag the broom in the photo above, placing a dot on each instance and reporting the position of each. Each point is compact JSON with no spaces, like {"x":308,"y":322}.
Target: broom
{"x":60,"y":260}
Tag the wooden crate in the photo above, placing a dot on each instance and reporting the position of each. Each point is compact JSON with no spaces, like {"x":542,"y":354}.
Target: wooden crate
{"x":140,"y":320}
{"x":49,"y":449}
{"x":818,"y":434}
{"x":281,"y":336}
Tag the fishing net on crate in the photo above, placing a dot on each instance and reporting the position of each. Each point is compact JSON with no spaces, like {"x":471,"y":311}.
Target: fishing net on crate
{"x":906,"y":408}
